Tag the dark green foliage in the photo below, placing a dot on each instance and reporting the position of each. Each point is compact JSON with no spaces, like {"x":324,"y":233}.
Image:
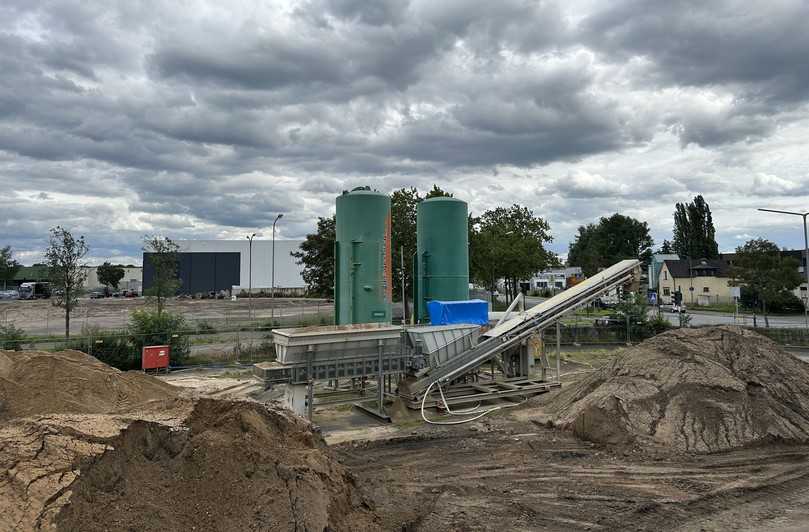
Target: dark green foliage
{"x":164,"y":258}
{"x":65,"y":269}
{"x":765,"y":275}
{"x":694,"y":232}
{"x":8,"y":266}
{"x":666,"y":248}
{"x":436,"y":192}
{"x":317,"y":257}
{"x":598,"y":246}
{"x":403,"y":205}
{"x":110,"y":275}
{"x":110,"y":347}
{"x":153,"y":328}
{"x":11,"y":338}
{"x":508,"y":243}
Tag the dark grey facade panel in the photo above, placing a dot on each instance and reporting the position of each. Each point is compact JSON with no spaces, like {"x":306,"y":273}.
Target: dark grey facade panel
{"x":200,"y":272}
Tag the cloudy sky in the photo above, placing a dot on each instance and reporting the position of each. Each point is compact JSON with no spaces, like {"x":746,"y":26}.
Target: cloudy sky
{"x":198,"y":119}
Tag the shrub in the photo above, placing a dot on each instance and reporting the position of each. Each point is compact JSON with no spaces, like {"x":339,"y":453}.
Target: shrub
{"x":110,"y":347}
{"x":11,"y":337}
{"x":150,"y":328}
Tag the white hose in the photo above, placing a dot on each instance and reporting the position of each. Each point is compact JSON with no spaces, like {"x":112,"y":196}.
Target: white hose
{"x":450,"y":412}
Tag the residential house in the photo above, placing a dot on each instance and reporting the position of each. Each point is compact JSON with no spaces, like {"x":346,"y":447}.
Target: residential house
{"x":701,"y":281}
{"x":654,"y":267}
{"x":556,"y":279}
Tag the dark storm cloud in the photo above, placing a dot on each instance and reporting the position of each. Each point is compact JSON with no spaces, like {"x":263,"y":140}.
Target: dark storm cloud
{"x":756,"y":52}
{"x":202,"y":118}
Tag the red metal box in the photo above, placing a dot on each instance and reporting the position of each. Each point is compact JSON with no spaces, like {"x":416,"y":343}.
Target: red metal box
{"x":155,"y":357}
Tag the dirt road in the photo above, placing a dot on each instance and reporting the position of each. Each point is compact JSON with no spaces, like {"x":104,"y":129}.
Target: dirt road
{"x":514,"y":473}
{"x":39,"y":318}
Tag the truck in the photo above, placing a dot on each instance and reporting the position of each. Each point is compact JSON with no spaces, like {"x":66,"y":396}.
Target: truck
{"x":35,"y":290}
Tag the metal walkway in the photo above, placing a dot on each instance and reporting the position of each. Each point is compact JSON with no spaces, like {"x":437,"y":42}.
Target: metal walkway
{"x":510,"y":333}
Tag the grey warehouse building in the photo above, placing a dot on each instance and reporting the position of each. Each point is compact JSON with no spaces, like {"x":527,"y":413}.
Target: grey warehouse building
{"x":214,"y":265}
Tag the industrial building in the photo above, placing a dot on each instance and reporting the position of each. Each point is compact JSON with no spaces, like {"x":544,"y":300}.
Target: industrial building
{"x":215,"y":265}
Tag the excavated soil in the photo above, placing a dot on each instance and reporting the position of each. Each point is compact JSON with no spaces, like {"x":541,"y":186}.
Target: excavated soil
{"x":36,"y":383}
{"x":106,"y":450}
{"x":691,"y":390}
{"x":232,"y":466}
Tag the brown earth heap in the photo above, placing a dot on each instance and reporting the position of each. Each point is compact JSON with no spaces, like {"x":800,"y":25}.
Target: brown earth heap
{"x":148,"y":464}
{"x":35,"y":383}
{"x":692,"y":390}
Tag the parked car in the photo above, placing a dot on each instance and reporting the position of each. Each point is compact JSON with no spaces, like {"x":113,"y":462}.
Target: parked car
{"x":97,"y":294}
{"x":9,"y":294}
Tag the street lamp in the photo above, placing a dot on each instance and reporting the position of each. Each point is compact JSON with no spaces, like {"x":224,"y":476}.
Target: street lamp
{"x":805,"y":258}
{"x":272,"y":290}
{"x":250,"y":277}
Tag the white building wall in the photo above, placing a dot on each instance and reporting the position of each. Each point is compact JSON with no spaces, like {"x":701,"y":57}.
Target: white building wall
{"x":132,"y":280}
{"x":287,"y":273}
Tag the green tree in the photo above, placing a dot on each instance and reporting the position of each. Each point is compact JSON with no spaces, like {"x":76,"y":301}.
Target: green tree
{"x":761,"y":269}
{"x":403,"y":208}
{"x":163,"y":257}
{"x":66,"y":270}
{"x":110,"y":275}
{"x":8,"y":266}
{"x":666,"y":248}
{"x":436,"y":192}
{"x":316,"y":254}
{"x":694,"y":232}
{"x":601,"y":245}
{"x":509,"y":243}
{"x":159,"y":328}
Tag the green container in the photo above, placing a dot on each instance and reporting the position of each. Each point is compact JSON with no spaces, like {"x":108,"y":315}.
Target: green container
{"x":362,"y":259}
{"x":441,"y":264}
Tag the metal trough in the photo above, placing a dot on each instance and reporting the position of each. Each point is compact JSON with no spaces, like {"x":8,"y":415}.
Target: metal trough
{"x":441,"y":343}
{"x":311,"y":344}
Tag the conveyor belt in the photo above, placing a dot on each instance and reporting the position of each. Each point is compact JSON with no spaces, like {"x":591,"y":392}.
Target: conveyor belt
{"x":509,"y":333}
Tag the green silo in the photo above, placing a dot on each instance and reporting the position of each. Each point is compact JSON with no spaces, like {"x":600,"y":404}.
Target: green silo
{"x":441,"y":265}
{"x":362,"y":259}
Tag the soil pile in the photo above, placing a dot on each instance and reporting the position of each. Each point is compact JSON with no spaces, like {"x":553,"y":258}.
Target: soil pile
{"x":36,"y":383}
{"x":86,"y":447}
{"x":234,"y":466}
{"x":692,"y":390}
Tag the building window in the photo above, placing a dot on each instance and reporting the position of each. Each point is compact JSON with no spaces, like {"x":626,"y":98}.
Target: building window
{"x":666,"y":291}
{"x":705,"y":290}
{"x":665,"y":275}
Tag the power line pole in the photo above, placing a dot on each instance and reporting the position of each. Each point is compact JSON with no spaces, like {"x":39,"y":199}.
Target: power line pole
{"x":250,"y":277}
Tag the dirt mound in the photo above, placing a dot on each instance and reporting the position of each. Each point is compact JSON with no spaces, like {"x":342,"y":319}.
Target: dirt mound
{"x":235,"y":466}
{"x":692,"y":390}
{"x":35,"y":383}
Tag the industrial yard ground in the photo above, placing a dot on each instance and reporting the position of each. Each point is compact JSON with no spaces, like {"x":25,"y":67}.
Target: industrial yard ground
{"x":512,"y":470}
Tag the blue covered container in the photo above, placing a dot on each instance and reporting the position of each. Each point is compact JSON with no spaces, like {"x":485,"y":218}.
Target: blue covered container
{"x":449,"y":312}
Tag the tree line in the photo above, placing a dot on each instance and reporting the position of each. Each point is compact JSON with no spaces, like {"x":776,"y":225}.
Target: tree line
{"x":507,"y":243}
{"x":67,"y":272}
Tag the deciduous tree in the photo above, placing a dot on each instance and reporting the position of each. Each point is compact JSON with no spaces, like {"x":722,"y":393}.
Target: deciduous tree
{"x":66,"y":270}
{"x":316,"y":255}
{"x":163,"y":257}
{"x":694,"y":232}
{"x":8,"y":266}
{"x":618,"y":237}
{"x":762,"y":269}
{"x":110,"y":275}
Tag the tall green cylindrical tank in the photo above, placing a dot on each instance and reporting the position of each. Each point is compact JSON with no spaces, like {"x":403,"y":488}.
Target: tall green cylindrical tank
{"x":441,"y":264}
{"x":362,"y":259}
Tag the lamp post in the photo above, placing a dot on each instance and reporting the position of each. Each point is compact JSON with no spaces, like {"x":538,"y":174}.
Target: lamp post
{"x":272,"y":289}
{"x":805,"y":258}
{"x":250,"y":277}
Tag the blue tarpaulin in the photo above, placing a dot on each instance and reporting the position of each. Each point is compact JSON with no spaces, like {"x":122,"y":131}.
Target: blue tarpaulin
{"x":448,"y":312}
